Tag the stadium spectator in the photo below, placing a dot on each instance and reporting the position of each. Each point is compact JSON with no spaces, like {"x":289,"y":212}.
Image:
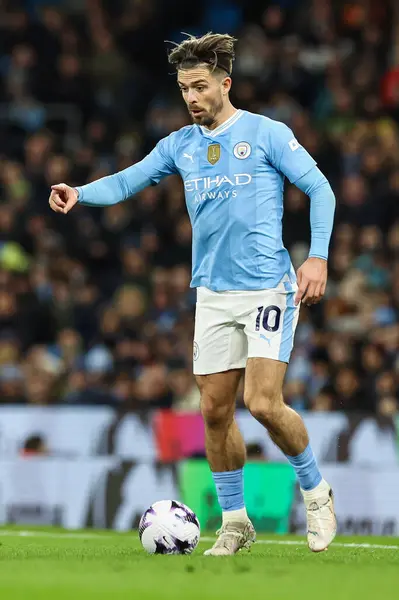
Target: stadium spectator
{"x":34,"y":446}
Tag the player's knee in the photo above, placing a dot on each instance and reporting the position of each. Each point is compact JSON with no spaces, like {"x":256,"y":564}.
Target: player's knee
{"x":215,"y":411}
{"x":265,"y":405}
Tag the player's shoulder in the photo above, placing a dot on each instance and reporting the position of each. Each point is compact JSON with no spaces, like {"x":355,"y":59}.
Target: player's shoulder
{"x":183,"y":133}
{"x":266,"y":123}
{"x":170,"y":143}
{"x":272,"y":134}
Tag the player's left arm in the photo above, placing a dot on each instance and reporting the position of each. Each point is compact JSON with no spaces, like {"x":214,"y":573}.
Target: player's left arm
{"x":312,"y":275}
{"x":291,"y":159}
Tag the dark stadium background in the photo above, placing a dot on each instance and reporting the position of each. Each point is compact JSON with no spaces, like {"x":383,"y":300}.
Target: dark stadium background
{"x":95,"y":307}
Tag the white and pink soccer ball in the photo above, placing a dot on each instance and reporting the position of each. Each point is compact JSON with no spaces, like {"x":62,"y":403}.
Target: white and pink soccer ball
{"x":169,"y":527}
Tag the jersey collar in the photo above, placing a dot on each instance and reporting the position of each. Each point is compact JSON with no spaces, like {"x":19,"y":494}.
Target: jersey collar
{"x":224,"y":126}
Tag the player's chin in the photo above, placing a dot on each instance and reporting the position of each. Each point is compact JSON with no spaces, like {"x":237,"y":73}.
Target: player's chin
{"x":201,"y":118}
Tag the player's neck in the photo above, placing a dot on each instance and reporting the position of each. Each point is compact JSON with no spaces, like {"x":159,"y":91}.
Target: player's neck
{"x":225,"y":114}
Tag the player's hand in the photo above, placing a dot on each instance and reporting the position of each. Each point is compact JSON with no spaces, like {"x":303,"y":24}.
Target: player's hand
{"x":62,"y":198}
{"x":312,"y":281}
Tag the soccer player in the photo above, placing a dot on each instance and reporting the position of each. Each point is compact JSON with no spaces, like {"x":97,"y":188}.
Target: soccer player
{"x":233,"y":164}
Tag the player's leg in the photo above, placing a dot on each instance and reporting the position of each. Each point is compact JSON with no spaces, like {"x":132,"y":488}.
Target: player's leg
{"x":263,"y":397}
{"x":225,"y":448}
{"x":219,"y":357}
{"x":226,"y":454}
{"x":275,"y":323}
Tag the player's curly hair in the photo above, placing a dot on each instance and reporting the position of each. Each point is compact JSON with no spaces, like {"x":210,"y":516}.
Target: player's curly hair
{"x":213,"y":49}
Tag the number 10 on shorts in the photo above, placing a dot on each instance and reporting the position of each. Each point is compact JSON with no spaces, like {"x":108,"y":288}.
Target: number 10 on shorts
{"x":269,"y":317}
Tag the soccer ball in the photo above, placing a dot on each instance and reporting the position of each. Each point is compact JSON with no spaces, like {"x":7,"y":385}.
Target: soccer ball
{"x":169,"y":527}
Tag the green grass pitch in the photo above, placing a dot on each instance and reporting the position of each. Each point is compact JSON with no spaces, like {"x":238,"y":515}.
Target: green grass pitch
{"x":49,"y":564}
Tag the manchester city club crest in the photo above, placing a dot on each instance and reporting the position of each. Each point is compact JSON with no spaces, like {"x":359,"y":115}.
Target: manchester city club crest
{"x":242,"y":150}
{"x":213,"y":153}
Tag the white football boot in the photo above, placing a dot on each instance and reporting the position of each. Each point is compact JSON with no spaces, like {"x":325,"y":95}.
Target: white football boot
{"x":321,"y":519}
{"x":232,"y":537}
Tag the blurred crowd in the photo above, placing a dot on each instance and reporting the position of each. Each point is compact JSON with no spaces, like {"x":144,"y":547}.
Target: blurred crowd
{"x":95,"y":307}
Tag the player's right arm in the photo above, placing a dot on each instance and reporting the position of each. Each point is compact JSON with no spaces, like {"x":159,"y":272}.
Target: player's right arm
{"x":120,"y":186}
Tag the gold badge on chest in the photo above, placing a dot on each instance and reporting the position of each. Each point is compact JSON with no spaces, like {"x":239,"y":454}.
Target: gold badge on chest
{"x":213,"y":153}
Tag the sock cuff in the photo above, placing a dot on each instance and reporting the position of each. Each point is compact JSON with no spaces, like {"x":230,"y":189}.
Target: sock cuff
{"x":227,"y":473}
{"x":301,"y":458}
{"x":229,"y":477}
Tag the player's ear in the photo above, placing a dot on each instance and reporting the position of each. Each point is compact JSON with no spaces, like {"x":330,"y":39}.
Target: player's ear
{"x":226,"y":85}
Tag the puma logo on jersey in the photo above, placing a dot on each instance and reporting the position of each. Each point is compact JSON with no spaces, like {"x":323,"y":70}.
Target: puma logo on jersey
{"x":189,"y":156}
{"x":268,"y":340}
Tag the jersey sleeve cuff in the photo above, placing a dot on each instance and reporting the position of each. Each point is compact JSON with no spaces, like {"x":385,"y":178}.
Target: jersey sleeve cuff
{"x":318,"y":255}
{"x":80,"y":193}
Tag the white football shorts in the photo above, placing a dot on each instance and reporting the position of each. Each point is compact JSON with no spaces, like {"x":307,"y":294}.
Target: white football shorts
{"x":231,"y":327}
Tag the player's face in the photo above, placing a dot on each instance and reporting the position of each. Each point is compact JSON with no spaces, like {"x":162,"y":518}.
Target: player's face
{"x":204,"y":93}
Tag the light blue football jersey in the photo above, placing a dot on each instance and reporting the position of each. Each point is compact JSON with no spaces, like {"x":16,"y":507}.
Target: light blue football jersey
{"x":234,"y":183}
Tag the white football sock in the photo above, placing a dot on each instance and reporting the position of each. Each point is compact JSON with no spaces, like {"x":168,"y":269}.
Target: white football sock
{"x":239,"y":515}
{"x":321,"y":489}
